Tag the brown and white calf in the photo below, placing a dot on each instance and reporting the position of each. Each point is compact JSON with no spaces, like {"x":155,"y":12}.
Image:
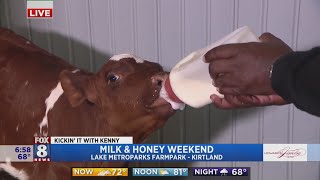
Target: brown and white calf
{"x":42,"y":95}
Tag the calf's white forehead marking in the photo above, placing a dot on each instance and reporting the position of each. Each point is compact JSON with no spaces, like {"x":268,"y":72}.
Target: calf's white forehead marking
{"x":19,"y":174}
{"x":26,"y":83}
{"x":122,"y":56}
{"x":50,"y":101}
{"x":76,"y":70}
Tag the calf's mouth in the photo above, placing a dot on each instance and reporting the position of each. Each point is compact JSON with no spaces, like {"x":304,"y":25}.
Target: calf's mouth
{"x":161,"y":101}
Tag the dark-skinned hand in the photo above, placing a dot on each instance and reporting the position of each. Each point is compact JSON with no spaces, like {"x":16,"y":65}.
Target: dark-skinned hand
{"x":246,"y":101}
{"x":241,"y":72}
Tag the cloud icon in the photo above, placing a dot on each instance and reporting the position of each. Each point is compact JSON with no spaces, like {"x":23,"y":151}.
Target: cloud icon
{"x":104,"y":173}
{"x":224,"y":171}
{"x":164,"y":172}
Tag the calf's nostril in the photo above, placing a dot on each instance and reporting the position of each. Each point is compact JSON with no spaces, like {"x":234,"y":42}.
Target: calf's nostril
{"x":159,"y":83}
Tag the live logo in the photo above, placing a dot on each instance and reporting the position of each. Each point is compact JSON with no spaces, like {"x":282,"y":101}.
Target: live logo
{"x":39,"y":13}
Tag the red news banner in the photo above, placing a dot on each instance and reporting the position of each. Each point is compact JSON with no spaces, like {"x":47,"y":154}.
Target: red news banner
{"x":39,"y":9}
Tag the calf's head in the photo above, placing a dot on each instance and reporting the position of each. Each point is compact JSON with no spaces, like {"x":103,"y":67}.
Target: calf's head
{"x":125,"y":91}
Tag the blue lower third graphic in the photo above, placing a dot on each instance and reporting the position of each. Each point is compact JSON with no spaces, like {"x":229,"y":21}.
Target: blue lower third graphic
{"x":156,"y":152}
{"x":159,"y":171}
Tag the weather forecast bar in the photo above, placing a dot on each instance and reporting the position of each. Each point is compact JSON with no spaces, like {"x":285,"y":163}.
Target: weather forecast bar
{"x":225,"y":173}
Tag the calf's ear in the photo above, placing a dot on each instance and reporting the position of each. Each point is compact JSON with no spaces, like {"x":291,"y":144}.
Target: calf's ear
{"x":77,"y":87}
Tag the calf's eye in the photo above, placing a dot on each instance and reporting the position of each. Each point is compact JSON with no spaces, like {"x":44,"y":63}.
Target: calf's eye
{"x":113,"y":77}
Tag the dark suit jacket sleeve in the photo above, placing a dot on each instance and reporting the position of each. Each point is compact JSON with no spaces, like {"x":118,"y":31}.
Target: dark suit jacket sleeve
{"x":296,"y":78}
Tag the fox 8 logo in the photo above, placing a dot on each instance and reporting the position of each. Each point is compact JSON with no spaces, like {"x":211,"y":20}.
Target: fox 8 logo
{"x":41,"y":149}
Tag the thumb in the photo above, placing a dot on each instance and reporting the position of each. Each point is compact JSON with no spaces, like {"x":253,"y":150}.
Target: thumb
{"x":268,"y":37}
{"x":224,"y":51}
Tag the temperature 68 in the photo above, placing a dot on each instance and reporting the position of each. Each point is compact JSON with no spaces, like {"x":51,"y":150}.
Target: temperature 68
{"x":238,"y":172}
{"x":23,"y":156}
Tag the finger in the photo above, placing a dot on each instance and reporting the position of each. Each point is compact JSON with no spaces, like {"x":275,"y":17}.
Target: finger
{"x":226,"y":80}
{"x":212,"y":71}
{"x":248,"y":99}
{"x":236,"y":101}
{"x":278,"y":100}
{"x":215,"y":72}
{"x":224,"y":51}
{"x":221,"y":102}
{"x":213,"y":81}
{"x":221,"y":66}
{"x":262,"y":100}
{"x":271,"y":100}
{"x":214,"y":77}
{"x":229,"y":90}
